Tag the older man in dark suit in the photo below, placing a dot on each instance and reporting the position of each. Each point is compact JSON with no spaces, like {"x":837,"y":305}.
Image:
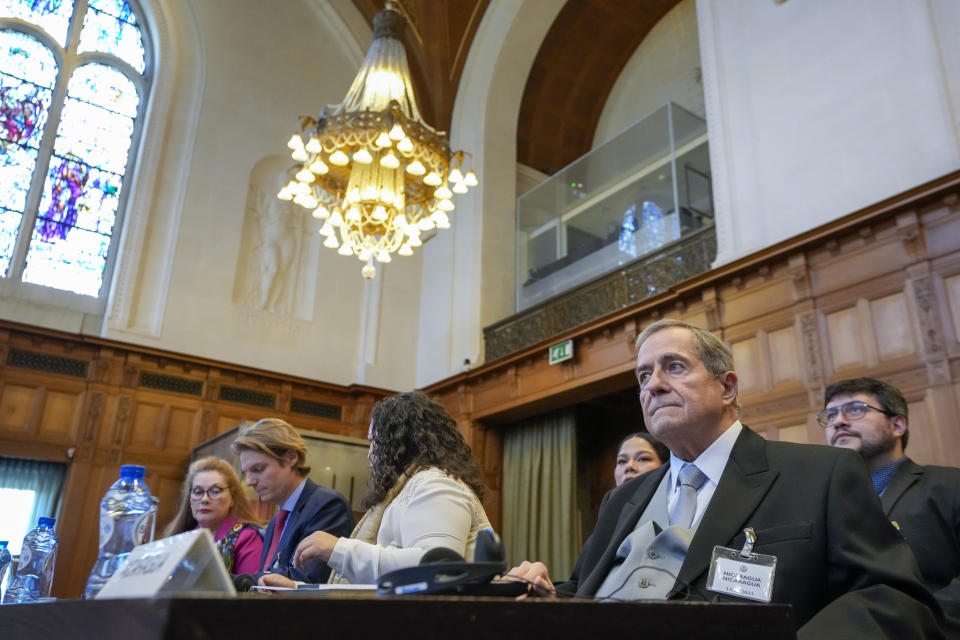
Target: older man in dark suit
{"x":839,"y":562}
{"x":869,"y":416}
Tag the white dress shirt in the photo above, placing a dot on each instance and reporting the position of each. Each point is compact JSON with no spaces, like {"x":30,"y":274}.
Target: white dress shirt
{"x":711,"y":463}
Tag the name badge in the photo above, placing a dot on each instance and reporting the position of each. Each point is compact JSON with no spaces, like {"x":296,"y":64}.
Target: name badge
{"x":742,"y":573}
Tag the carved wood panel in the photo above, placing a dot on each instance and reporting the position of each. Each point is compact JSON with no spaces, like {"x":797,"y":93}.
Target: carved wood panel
{"x":875,"y":293}
{"x":99,"y":404}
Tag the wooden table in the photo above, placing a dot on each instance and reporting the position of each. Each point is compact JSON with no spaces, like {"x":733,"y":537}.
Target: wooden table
{"x":312,"y":616}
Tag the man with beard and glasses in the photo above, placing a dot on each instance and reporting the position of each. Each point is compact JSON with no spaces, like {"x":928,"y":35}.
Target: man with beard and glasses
{"x":870,"y":417}
{"x":808,"y":510}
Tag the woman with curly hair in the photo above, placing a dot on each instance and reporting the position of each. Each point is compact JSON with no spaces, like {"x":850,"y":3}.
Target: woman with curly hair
{"x":212,"y":497}
{"x":424,"y":492}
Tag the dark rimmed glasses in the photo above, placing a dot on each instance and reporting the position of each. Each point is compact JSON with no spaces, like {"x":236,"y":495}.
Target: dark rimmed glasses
{"x":214,"y":492}
{"x":851,"y":411}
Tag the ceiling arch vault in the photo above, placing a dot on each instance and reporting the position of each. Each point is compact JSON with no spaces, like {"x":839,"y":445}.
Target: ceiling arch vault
{"x":579,"y":60}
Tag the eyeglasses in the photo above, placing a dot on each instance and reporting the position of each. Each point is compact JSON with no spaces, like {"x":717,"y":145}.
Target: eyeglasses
{"x":853,"y":410}
{"x":213,"y":492}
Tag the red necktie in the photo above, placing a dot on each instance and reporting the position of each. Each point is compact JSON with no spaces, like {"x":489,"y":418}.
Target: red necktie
{"x":277,"y":533}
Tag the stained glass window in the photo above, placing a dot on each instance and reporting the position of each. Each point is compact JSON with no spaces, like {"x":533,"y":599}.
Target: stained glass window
{"x":64,"y":229}
{"x":53,"y":16}
{"x":110,"y":26}
{"x":28,"y":72}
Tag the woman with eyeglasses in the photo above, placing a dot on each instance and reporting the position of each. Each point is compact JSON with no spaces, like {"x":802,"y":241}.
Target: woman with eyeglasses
{"x":212,"y":497}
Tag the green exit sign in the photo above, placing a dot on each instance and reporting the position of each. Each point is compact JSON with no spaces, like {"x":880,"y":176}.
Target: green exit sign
{"x":561,"y":351}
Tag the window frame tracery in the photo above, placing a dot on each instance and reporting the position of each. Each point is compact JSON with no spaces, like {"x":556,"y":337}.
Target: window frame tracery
{"x":69,"y":59}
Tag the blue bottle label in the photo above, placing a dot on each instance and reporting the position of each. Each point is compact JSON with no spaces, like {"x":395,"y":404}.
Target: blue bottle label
{"x":141,"y":527}
{"x":25,"y":553}
{"x":106,"y":531}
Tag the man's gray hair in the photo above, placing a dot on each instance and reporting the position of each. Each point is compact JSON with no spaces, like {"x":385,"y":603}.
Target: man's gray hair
{"x":715,"y":354}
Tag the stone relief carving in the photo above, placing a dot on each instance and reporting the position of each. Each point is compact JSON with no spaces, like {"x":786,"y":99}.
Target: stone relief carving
{"x":92,"y":419}
{"x":911,"y":235}
{"x":934,"y":350}
{"x":124,"y":411}
{"x":276,"y":269}
{"x":811,"y":348}
{"x":800,"y":276}
{"x":206,"y":424}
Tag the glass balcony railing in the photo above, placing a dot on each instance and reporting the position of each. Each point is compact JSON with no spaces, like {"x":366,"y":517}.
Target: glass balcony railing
{"x":631,"y":196}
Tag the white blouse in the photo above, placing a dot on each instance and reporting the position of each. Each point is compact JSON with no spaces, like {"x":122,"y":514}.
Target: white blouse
{"x":432,"y":510}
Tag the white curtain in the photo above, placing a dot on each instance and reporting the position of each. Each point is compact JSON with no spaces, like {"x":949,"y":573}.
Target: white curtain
{"x":539,"y":492}
{"x":45,"y":479}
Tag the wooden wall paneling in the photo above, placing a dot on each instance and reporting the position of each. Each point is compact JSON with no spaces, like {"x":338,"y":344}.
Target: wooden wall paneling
{"x":182,"y":433}
{"x":751,"y":362}
{"x":124,"y":404}
{"x":893,"y":326}
{"x":60,"y":416}
{"x":496,"y":389}
{"x":491,"y":461}
{"x":856,"y":297}
{"x":810,"y":324}
{"x":148,"y":426}
{"x":951,"y":285}
{"x":931,"y":323}
{"x":937,"y":423}
{"x":228,"y":420}
{"x":923,"y":429}
{"x":855,"y":262}
{"x":786,"y":367}
{"x":539,"y":376}
{"x":16,"y":403}
{"x":940,"y":227}
{"x":166,"y":487}
{"x":593,"y":354}
{"x":794,"y":433}
{"x":770,"y":295}
{"x":77,"y":541}
{"x":845,"y":343}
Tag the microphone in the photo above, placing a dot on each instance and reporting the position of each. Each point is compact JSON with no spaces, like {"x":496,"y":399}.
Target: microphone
{"x":440,"y":554}
{"x":443,"y":570}
{"x":243,"y":582}
{"x":490,"y":548}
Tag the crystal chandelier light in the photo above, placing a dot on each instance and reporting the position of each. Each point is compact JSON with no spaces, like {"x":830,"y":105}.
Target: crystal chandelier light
{"x":371,"y":168}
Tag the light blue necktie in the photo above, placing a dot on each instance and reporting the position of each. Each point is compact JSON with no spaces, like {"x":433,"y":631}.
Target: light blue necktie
{"x":691,"y":479}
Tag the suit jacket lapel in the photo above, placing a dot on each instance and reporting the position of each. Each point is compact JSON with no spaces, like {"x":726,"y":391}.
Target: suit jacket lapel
{"x":744,"y":482}
{"x":907,"y":475}
{"x":285,"y":547}
{"x":629,"y":515}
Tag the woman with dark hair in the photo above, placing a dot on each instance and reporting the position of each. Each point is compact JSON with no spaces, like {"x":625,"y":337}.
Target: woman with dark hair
{"x":639,"y":452}
{"x":212,"y":497}
{"x":424,"y":492}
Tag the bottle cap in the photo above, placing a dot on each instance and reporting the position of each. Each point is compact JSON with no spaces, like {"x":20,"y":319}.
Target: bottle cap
{"x":4,"y":543}
{"x":46,"y":522}
{"x":132,"y":471}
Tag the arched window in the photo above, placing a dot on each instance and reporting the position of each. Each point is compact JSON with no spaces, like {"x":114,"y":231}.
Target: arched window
{"x":74,"y":76}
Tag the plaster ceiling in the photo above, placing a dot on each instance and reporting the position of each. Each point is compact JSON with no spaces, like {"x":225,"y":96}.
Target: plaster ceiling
{"x":581,"y":58}
{"x":578,"y":63}
{"x":437,"y":44}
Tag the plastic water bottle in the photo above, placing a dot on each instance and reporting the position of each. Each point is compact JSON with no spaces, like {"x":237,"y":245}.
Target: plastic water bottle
{"x":4,"y":561}
{"x":125,"y":521}
{"x":34,"y":575}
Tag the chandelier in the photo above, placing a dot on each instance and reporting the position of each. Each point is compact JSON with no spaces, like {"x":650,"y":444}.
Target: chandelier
{"x":371,"y":168}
